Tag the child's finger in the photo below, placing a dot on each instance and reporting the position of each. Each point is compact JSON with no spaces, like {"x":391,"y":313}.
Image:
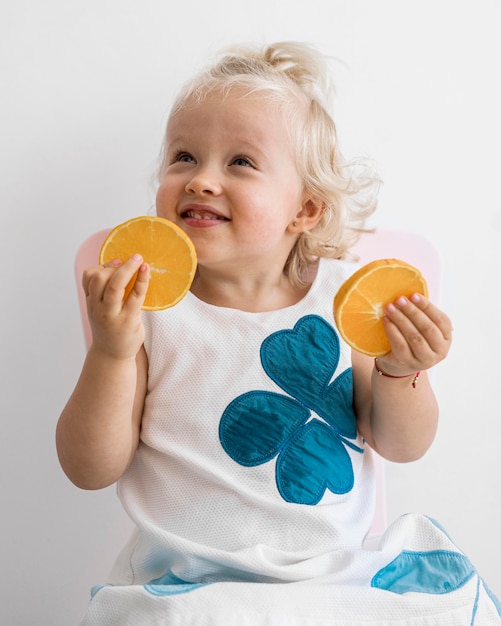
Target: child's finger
{"x":430,"y":322}
{"x":434,"y":313}
{"x":397,"y":328}
{"x":94,"y":280}
{"x":114,"y":291}
{"x":98,"y":276}
{"x":113,"y":263}
{"x":137,"y":295}
{"x":425,"y":328}
{"x":409,"y":341}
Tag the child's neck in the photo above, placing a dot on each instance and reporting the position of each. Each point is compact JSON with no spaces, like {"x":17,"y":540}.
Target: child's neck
{"x":247,"y":292}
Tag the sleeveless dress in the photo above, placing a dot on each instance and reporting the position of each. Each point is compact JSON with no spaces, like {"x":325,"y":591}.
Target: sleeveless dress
{"x":252,"y":492}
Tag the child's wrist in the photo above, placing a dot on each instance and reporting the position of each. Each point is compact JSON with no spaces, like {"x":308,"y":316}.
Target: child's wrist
{"x":383,"y":372}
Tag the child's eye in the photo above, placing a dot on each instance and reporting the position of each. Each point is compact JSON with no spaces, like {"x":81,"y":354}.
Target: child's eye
{"x":184,"y":157}
{"x":241,"y":161}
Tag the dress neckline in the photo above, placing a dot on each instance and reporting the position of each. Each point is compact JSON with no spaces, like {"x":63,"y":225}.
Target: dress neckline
{"x":309,"y":294}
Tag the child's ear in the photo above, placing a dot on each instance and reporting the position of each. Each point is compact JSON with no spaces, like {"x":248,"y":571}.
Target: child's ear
{"x":308,"y":217}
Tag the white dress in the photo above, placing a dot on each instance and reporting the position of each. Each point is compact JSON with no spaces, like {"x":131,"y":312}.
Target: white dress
{"x":252,"y":492}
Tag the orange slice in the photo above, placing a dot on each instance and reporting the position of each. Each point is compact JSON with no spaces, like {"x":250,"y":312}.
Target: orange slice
{"x":359,"y":303}
{"x":165,"y":247}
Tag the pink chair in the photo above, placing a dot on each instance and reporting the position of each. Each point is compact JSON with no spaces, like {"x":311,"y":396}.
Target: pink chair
{"x":406,"y":246}
{"x":410,"y":247}
{"x":420,"y":252}
{"x":87,"y":255}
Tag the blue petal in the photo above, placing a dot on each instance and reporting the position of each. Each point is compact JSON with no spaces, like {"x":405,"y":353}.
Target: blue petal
{"x":437,"y":572}
{"x":256,"y":425}
{"x":170,"y":585}
{"x":314,"y":461}
{"x":302,"y":362}
{"x":336,"y":407}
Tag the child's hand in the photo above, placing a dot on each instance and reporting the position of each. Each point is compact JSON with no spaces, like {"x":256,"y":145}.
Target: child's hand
{"x":419,"y":333}
{"x":116,"y":324}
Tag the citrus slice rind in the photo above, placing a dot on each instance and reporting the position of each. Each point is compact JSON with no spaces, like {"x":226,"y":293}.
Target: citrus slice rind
{"x":360,"y":302}
{"x":166,"y":248}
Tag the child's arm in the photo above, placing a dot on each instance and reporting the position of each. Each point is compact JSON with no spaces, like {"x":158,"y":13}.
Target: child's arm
{"x":98,"y":430}
{"x":395,"y":419}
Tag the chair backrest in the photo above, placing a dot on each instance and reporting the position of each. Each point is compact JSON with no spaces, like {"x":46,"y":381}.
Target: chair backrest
{"x":420,"y":252}
{"x":87,"y":255}
{"x":406,"y":246}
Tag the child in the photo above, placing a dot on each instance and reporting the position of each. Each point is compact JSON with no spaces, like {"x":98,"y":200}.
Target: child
{"x":238,"y":424}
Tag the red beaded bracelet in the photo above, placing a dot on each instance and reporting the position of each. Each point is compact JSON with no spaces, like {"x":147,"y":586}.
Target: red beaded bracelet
{"x":381,"y":373}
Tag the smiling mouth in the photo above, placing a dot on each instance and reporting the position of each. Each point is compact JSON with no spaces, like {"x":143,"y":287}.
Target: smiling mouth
{"x":204,"y":215}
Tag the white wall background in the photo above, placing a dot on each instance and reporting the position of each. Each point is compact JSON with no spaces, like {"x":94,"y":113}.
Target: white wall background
{"x":84,"y":90}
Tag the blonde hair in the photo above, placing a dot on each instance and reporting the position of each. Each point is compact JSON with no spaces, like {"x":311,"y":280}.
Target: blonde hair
{"x":296,"y":77}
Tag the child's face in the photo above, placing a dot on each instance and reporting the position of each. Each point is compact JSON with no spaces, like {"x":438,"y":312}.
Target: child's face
{"x":231,"y":181}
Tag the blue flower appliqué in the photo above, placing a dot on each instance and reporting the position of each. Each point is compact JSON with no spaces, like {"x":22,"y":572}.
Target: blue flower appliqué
{"x":437,"y":571}
{"x":433,"y":572}
{"x":259,"y":425}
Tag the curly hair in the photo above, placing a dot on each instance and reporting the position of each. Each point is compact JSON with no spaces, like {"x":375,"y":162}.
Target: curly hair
{"x":296,"y":77}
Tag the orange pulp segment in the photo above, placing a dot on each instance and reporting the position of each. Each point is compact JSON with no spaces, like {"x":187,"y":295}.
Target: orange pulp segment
{"x":165,"y":247}
{"x":360,"y":301}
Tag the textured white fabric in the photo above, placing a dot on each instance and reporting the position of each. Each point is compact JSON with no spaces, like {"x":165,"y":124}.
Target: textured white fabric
{"x":225,"y":537}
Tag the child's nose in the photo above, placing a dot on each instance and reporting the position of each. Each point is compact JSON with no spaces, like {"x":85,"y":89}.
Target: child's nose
{"x":204,"y":181}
